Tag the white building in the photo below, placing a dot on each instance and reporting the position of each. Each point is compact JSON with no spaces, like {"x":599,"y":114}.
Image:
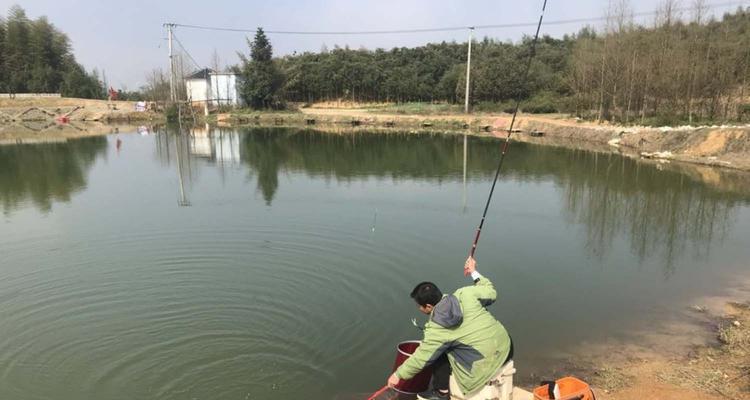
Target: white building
{"x":222,"y":147}
{"x":216,"y":88}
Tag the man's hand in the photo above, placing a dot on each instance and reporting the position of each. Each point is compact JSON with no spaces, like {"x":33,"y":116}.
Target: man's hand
{"x":470,"y":266}
{"x":393,"y":381}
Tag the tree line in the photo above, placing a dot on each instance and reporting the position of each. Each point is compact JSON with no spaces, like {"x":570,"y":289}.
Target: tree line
{"x":431,"y":73}
{"x":676,"y":69}
{"x":692,"y":70}
{"x":36,"y":57}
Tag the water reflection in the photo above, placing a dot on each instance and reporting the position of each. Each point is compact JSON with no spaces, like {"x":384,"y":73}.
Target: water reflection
{"x":661,"y":212}
{"x":348,"y":156}
{"x":46,"y":172}
{"x":270,"y":151}
{"x":183,"y":146}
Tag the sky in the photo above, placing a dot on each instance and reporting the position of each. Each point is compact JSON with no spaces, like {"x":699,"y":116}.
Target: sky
{"x":126,"y":39}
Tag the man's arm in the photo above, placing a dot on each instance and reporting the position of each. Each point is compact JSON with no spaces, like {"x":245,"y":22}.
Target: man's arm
{"x":428,"y":351}
{"x":483,"y":288}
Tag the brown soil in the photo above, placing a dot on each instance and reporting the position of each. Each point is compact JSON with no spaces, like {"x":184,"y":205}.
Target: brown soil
{"x":713,"y":371}
{"x":702,"y":352}
{"x":724,"y":146}
{"x":644,"y":385}
{"x":45,"y":132}
{"x":705,"y":358}
{"x":51,"y":109}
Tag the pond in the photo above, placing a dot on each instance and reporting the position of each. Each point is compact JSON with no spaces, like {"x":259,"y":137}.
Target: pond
{"x":275,"y":263}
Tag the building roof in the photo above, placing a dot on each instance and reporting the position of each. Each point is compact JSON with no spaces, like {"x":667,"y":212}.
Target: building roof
{"x":205,"y":73}
{"x":202,"y":74}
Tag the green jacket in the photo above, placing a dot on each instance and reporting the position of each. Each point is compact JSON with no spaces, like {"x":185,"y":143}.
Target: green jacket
{"x":476,"y":343}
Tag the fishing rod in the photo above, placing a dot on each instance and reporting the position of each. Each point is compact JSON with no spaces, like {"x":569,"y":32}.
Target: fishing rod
{"x":510,"y":133}
{"x":499,"y":165}
{"x":380,"y":391}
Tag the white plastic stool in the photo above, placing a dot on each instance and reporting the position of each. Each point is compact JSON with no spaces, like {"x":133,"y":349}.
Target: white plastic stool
{"x":500,"y":387}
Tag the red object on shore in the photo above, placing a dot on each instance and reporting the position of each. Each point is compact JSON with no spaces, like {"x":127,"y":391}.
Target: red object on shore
{"x":421,"y":381}
{"x":569,"y":388}
{"x":63,"y":120}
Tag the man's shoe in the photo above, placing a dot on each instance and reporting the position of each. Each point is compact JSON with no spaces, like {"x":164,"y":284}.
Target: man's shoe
{"x":433,"y":395}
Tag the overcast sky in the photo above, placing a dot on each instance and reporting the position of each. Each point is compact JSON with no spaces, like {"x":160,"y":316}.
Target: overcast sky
{"x":126,"y":39}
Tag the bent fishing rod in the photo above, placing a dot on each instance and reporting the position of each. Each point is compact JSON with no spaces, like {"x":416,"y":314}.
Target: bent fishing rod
{"x":382,"y":390}
{"x":506,"y":144}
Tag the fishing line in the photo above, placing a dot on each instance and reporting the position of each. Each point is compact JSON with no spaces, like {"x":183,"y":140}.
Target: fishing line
{"x":510,"y":132}
{"x":500,"y":163}
{"x":186,"y":52}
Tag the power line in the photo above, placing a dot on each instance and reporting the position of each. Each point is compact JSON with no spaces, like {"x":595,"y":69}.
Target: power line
{"x":447,"y":29}
{"x":197,"y":66}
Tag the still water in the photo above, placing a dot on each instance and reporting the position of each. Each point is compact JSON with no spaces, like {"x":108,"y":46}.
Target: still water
{"x":277,"y":263}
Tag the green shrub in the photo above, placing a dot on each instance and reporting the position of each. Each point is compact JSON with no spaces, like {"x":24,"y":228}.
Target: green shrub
{"x":490,"y":106}
{"x":744,"y":112}
{"x":172,"y":113}
{"x":542,"y":103}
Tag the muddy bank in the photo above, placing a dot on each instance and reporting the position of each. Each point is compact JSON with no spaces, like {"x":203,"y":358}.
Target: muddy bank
{"x":45,"y":132}
{"x":716,"y":370}
{"x":702,"y":352}
{"x":50,"y":110}
{"x":727,"y":147}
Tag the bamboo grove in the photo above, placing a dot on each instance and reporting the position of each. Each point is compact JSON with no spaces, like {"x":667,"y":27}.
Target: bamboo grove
{"x":674,"y":71}
{"x":679,"y":67}
{"x":682,"y":67}
{"x":36,"y":57}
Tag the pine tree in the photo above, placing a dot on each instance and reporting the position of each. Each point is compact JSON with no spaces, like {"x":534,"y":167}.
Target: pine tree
{"x":2,"y":56}
{"x":44,"y":74}
{"x":35,"y":56}
{"x":261,"y":79}
{"x":16,"y":55}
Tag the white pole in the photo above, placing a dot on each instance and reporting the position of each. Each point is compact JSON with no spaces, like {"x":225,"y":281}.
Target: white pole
{"x":208,"y":90}
{"x":468,"y":70}
{"x":172,"y":93}
{"x":466,"y":148}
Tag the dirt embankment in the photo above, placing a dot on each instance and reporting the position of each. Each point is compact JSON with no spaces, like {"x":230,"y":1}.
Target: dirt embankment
{"x":50,"y":109}
{"x":723,"y":146}
{"x":43,"y":132}
{"x":714,"y":146}
{"x":654,"y":370}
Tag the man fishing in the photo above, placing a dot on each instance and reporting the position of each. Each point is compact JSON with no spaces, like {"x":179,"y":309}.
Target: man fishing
{"x":461,"y":337}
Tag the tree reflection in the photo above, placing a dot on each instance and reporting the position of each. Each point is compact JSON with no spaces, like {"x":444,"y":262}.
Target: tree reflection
{"x":661,"y":211}
{"x":346,"y":156}
{"x":266,"y":152}
{"x":45,"y":173}
{"x":664,"y":211}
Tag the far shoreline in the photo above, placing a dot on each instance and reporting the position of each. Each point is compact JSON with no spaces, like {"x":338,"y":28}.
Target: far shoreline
{"x":726,"y":146}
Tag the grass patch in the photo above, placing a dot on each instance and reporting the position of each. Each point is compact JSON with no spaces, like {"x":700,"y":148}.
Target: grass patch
{"x":722,"y":369}
{"x":419,"y":109}
{"x":611,"y":379}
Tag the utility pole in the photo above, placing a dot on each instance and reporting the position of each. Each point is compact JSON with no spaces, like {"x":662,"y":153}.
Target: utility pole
{"x":468,"y":70}
{"x":466,"y":149}
{"x":172,"y":92}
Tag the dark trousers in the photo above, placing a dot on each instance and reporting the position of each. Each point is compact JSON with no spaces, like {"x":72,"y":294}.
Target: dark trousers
{"x":441,"y":370}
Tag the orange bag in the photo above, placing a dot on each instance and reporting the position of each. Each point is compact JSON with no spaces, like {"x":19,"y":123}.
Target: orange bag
{"x":568,"y":388}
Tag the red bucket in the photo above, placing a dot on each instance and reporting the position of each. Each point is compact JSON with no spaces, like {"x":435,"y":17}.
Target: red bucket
{"x":421,"y":381}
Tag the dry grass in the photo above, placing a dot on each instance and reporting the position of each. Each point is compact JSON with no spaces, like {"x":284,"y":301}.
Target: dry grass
{"x":611,"y":379}
{"x":722,"y":369}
